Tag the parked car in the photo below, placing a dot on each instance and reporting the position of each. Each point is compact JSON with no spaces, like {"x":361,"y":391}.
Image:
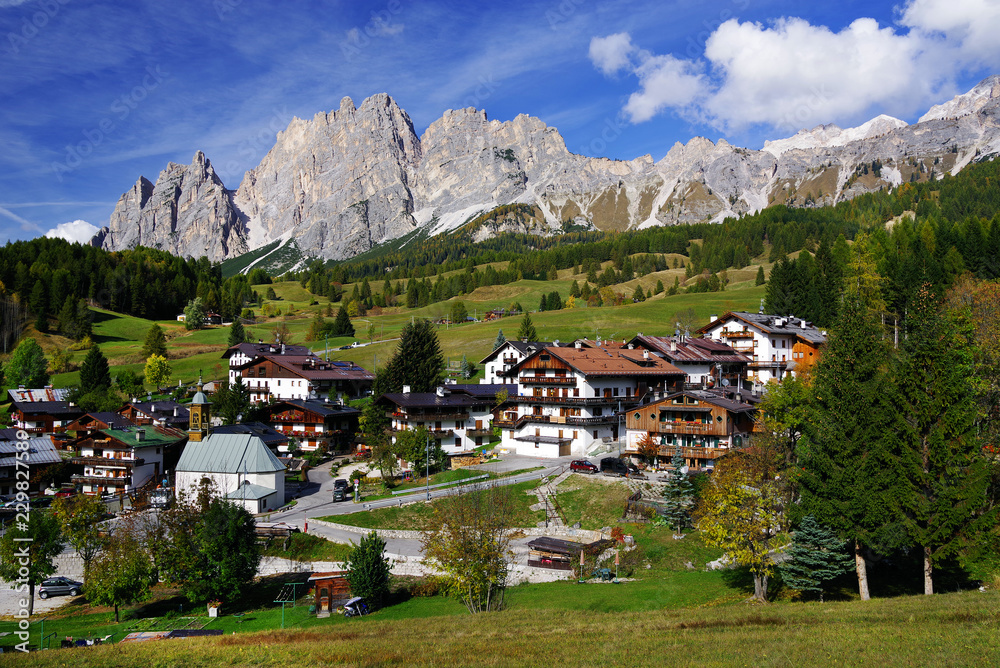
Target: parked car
{"x":341,"y":483}
{"x":59,"y":586}
{"x":339,"y":494}
{"x":40,"y":502}
{"x":65,"y":493}
{"x":614,"y":466}
{"x":583,"y":466}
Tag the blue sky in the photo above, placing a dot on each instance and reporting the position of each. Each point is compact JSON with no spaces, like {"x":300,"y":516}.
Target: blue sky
{"x":97,"y":93}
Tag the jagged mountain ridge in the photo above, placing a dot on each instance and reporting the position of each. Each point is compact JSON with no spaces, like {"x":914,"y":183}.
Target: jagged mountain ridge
{"x":349,"y":180}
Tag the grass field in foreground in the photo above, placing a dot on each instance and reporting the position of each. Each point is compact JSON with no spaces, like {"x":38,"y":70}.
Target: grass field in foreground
{"x":943,"y":630}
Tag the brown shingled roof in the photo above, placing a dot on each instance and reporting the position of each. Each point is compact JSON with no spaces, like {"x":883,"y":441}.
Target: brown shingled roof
{"x":613,"y":362}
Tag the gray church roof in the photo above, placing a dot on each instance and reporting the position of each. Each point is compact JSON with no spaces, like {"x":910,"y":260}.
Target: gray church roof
{"x":248,"y":490}
{"x":229,"y":453}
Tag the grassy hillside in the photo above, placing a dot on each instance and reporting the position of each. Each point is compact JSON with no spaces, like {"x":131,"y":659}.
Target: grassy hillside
{"x":596,"y":624}
{"x":199,"y":352}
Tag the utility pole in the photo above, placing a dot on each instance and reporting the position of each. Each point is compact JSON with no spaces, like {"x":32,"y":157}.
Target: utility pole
{"x":427,"y":478}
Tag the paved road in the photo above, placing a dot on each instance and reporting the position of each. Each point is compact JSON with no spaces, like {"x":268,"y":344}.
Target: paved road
{"x":316,"y":496}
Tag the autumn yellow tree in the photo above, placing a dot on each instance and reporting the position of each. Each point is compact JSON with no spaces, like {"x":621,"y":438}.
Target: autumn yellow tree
{"x":742,"y":511}
{"x":157,"y":370}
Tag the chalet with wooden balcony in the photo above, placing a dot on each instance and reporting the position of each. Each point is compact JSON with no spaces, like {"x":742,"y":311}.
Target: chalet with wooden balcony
{"x":283,"y":372}
{"x":272,"y":438}
{"x":702,"y":424}
{"x":458,"y":417}
{"x":568,"y":398}
{"x":498,"y":363}
{"x":44,"y":411}
{"x":90,"y":423}
{"x":707,"y":363}
{"x":120,"y":461}
{"x":160,"y":413}
{"x":314,"y":424}
{"x":37,"y":453}
{"x":778,"y":346}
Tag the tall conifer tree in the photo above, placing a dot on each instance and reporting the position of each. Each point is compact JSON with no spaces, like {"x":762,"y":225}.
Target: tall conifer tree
{"x":946,"y":476}
{"x":850,"y":480}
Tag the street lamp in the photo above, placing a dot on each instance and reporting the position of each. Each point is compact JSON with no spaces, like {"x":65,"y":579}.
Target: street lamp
{"x":427,"y":478}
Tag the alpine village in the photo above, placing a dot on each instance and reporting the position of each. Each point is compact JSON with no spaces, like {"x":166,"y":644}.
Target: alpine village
{"x":741,"y":412}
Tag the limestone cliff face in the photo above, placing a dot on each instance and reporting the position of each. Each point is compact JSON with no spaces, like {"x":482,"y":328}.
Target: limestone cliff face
{"x":339,"y":184}
{"x":348,"y":180}
{"x":188,"y":212}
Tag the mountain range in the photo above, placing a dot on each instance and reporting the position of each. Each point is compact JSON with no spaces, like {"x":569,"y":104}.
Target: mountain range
{"x":349,"y":180}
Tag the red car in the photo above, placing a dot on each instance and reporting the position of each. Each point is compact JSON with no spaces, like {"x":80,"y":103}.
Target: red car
{"x":583,"y":466}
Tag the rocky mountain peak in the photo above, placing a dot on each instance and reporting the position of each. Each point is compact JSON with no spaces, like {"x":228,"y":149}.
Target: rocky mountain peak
{"x":358,"y":176}
{"x":187,"y":212}
{"x":982,"y":94}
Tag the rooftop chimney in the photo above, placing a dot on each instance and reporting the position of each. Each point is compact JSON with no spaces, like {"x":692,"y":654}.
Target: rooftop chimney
{"x":645,"y":354}
{"x":673,"y":345}
{"x":406,"y":389}
{"x":440,"y":390}
{"x":578,"y":345}
{"x":713,"y":318}
{"x":140,"y":434}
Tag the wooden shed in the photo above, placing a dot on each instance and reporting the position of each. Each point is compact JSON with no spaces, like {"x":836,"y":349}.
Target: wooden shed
{"x":330,"y":589}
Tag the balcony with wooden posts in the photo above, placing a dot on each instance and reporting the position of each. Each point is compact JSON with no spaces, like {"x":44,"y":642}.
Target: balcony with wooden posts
{"x":767,"y":364}
{"x":688,"y":452}
{"x":572,"y":401}
{"x":694,"y":428}
{"x":110,"y":462}
{"x":123,"y":481}
{"x":426,"y":417}
{"x":548,"y":380}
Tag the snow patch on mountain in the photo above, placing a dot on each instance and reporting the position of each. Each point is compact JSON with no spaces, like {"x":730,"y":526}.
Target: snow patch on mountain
{"x":829,"y":135}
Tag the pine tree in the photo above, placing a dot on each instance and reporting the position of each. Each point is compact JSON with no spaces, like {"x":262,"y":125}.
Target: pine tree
{"x":417,"y":361}
{"x":816,"y":556}
{"x":94,"y":373}
{"x":851,"y":477}
{"x":543,"y":305}
{"x":237,"y":335}
{"x":760,"y":280}
{"x":638,"y":295}
{"x":555,"y":301}
{"x":155,"y":343}
{"x":574,"y":289}
{"x":468,"y":369}
{"x":659,"y":287}
{"x":527,"y":332}
{"x":500,"y":340}
{"x":678,"y":495}
{"x":936,"y":399}
{"x":342,"y":325}
{"x":368,"y":570}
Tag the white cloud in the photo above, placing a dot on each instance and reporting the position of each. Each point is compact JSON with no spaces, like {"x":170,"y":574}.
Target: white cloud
{"x":78,"y":231}
{"x":611,"y":54}
{"x":666,"y":82}
{"x":792,"y":74}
